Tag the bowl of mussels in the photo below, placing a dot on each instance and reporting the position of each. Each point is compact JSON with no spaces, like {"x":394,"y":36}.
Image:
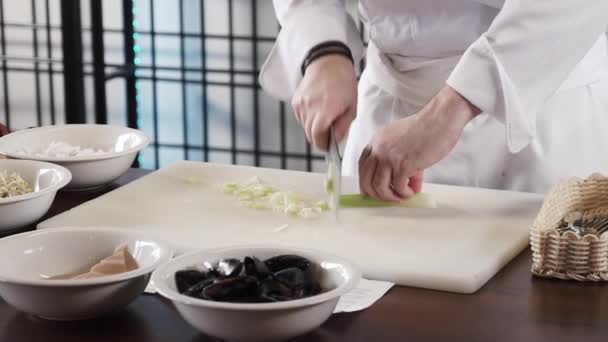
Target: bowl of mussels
{"x":255,"y":293}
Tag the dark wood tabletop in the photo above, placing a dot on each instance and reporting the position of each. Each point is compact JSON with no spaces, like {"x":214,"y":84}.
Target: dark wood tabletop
{"x":513,"y":306}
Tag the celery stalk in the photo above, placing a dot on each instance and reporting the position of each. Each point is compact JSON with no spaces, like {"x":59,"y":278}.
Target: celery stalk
{"x":420,"y":200}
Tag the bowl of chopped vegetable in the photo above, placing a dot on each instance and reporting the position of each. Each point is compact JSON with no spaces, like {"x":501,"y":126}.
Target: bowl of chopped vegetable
{"x":255,"y":293}
{"x":27,"y":190}
{"x":95,"y":154}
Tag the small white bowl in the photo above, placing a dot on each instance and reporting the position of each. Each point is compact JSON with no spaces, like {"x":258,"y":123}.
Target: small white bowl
{"x":25,"y":260}
{"x":88,"y":172}
{"x":258,"y":321}
{"x":44,"y":178}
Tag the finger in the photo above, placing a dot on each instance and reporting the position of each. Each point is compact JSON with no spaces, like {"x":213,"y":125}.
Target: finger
{"x":400,"y":184}
{"x":297,"y":114}
{"x":343,"y":122}
{"x":382,"y":183}
{"x":415,"y":182}
{"x":308,"y":122}
{"x":364,"y":154}
{"x":320,"y":131}
{"x":367,"y":167}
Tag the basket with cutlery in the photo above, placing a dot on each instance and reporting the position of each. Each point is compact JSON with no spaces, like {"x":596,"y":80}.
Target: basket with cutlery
{"x":569,"y":237}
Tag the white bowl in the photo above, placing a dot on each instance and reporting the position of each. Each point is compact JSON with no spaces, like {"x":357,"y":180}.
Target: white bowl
{"x":45,"y":178}
{"x":26,"y":258}
{"x":88,"y":172}
{"x":258,"y":321}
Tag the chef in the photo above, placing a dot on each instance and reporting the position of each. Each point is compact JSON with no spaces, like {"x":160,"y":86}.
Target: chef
{"x":486,"y":93}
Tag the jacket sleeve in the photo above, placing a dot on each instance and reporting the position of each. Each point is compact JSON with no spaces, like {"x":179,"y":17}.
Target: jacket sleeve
{"x":304,"y":24}
{"x":524,"y":57}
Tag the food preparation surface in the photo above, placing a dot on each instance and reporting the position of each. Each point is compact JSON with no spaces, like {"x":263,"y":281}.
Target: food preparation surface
{"x":456,"y":247}
{"x":513,"y":306}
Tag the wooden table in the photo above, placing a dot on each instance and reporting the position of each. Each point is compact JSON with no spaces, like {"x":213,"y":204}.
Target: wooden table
{"x":513,"y":306}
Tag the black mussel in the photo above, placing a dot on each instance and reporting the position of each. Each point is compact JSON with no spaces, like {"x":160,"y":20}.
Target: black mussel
{"x":282,"y":262}
{"x":187,"y":278}
{"x":196,"y":290}
{"x":293,"y":277}
{"x":310,"y":289}
{"x":237,"y":289}
{"x":256,"y":268}
{"x":229,"y":267}
{"x":281,"y":278}
{"x":273,"y":290}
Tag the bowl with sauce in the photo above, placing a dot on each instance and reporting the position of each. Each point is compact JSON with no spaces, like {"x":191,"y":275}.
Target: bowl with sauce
{"x":255,"y":293}
{"x":77,"y":273}
{"x":27,"y":190}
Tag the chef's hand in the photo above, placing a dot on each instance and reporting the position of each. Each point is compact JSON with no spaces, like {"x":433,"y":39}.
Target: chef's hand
{"x":326,"y":96}
{"x":391,"y":166}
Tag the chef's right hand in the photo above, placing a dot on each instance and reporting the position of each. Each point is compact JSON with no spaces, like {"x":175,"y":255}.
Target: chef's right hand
{"x":326,"y":96}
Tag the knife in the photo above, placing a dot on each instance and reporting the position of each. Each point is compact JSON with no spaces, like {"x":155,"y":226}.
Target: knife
{"x":333,"y":184}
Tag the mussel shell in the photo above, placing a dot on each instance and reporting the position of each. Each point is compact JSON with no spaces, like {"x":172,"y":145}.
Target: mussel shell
{"x":293,"y":277}
{"x":281,"y":278}
{"x":311,"y":289}
{"x":281,"y":262}
{"x":256,"y":268}
{"x":196,"y":290}
{"x":272,"y":290}
{"x":237,"y":289}
{"x":229,"y":267}
{"x":187,"y":278}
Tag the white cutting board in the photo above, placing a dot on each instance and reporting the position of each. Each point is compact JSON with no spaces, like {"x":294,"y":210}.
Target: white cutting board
{"x":456,"y":247}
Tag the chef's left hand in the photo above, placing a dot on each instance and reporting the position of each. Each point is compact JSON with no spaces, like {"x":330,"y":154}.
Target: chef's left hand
{"x":391,"y":166}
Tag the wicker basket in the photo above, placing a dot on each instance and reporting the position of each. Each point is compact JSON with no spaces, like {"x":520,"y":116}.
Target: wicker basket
{"x":568,"y":255}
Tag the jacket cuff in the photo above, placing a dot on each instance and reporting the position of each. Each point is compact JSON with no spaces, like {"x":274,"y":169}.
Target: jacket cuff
{"x":304,"y":29}
{"x":482,"y":79}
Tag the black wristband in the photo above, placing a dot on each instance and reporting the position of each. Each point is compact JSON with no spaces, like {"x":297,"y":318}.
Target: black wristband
{"x":324,"y":49}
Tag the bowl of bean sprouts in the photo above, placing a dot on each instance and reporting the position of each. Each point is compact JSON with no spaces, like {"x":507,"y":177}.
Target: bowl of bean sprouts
{"x":27,"y":190}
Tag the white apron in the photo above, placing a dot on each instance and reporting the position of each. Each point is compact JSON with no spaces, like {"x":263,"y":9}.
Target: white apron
{"x":572,"y":128}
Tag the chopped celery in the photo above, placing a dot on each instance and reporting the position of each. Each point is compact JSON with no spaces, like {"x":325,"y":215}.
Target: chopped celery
{"x":329,"y":186}
{"x":420,"y":200}
{"x":193,"y":180}
{"x":323,"y":205}
{"x":255,"y":194}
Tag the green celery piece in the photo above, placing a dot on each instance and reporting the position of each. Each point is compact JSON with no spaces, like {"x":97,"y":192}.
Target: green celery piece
{"x":420,"y":200}
{"x":329,"y":186}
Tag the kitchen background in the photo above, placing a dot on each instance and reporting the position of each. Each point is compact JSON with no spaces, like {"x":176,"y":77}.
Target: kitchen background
{"x":141,"y":63}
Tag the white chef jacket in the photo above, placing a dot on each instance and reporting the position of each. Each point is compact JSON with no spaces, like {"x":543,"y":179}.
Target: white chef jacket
{"x":538,"y":70}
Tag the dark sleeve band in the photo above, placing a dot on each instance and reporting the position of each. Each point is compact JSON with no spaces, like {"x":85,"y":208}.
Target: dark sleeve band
{"x":324,"y":49}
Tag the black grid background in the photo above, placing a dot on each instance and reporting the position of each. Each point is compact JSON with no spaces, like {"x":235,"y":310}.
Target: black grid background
{"x":184,"y":71}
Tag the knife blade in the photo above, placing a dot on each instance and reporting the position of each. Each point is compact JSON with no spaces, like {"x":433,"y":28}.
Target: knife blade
{"x":333,"y":184}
